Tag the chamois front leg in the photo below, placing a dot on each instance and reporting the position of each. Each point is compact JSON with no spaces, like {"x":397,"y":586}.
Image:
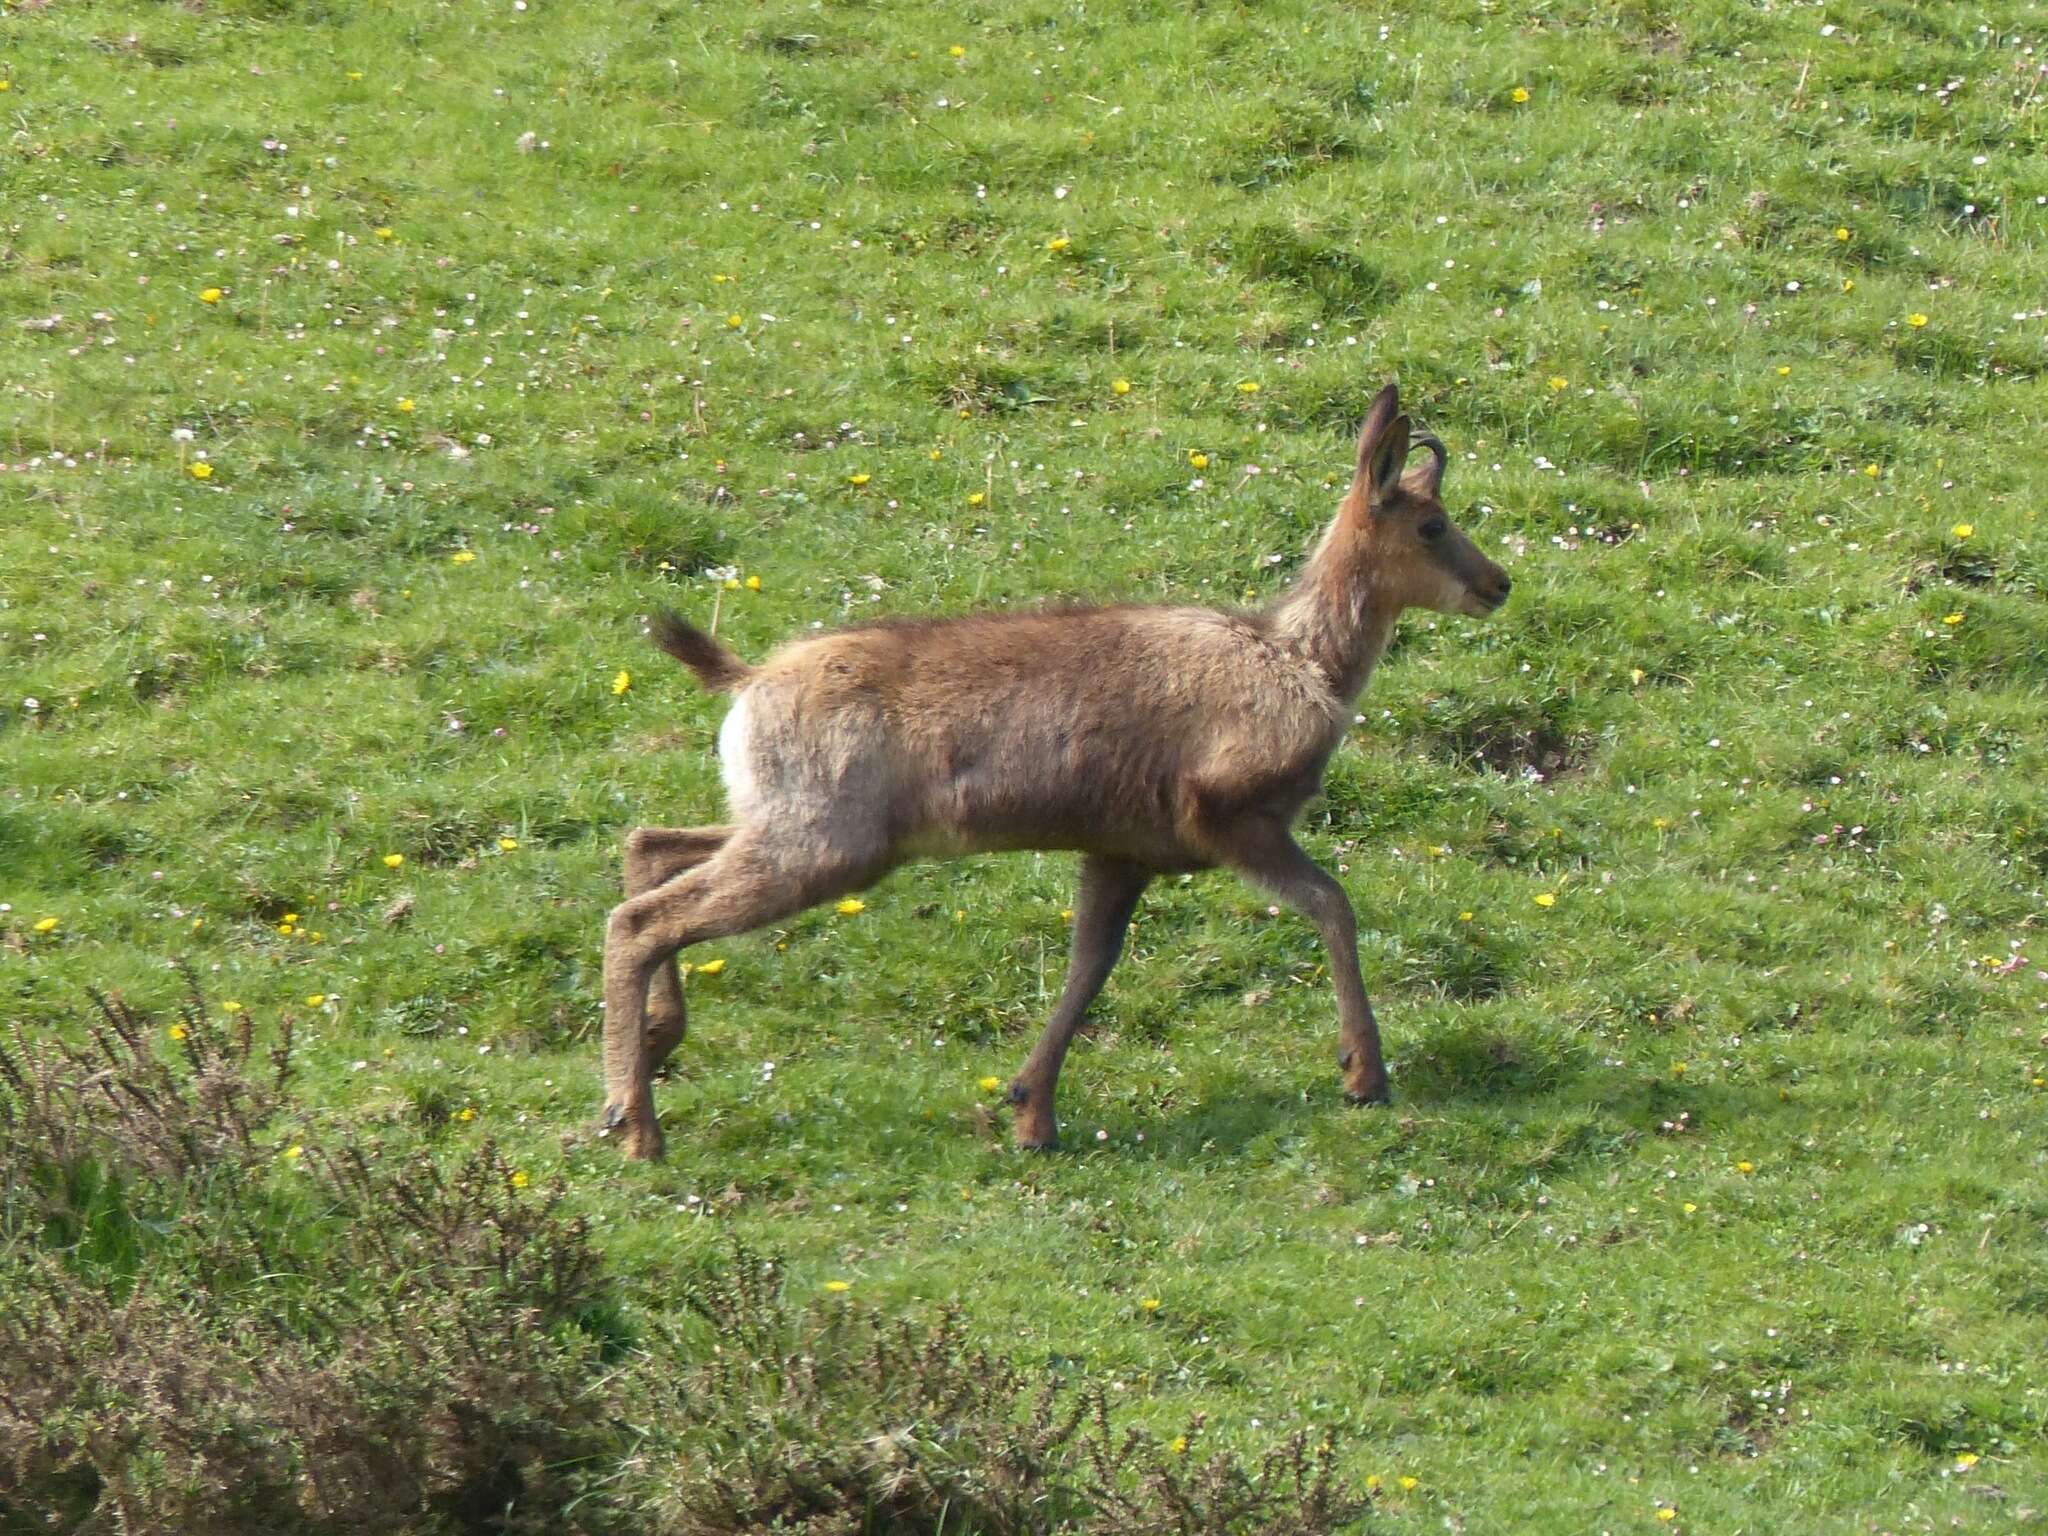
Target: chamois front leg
{"x":1102,"y":913}
{"x":655,"y":856}
{"x":1265,"y":853}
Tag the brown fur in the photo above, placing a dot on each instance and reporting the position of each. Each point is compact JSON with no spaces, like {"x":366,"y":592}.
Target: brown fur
{"x":716,"y":667}
{"x":1150,"y":740}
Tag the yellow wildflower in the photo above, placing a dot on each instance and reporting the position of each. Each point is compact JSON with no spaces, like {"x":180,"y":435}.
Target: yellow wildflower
{"x":1963,"y":530}
{"x":975,"y":498}
{"x":1464,"y":917}
{"x":463,"y":557}
{"x":293,"y":1153}
{"x":989,"y":1084}
{"x":753,"y":583}
{"x":316,"y":1000}
{"x":1546,"y":899}
{"x":209,"y":295}
{"x":1519,"y":94}
{"x":1745,"y":1166}
{"x":466,"y":1114}
{"x":1120,"y":387}
{"x":383,"y":232}
{"x":1916,"y":320}
{"x":177,"y":1031}
{"x":507,"y":844}
{"x":1689,"y":1208}
{"x":1057,"y":243}
{"x":1783,"y":370}
{"x":394,"y":860}
{"x":734,"y":322}
{"x":622,"y":682}
{"x":957,"y":51}
{"x":1408,"y":1484}
{"x":1558,"y":381}
{"x":853,"y":906}
{"x":710,"y":967}
{"x":405,"y":406}
{"x":1872,"y":471}
{"x":1666,"y":1512}
{"x":1178,"y":1445}
{"x":1372,"y":1482}
{"x":836,"y":1286}
{"x":1952,"y":619}
{"x":1150,"y":1303}
{"x":230,"y":1007}
{"x":1248,"y":387}
{"x":46,"y":925}
{"x":202,"y":470}
{"x":1199,"y":459}
{"x":520,"y":1178}
{"x":860,"y":479}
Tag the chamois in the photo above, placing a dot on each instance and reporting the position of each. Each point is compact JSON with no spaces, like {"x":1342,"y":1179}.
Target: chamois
{"x":1150,"y":740}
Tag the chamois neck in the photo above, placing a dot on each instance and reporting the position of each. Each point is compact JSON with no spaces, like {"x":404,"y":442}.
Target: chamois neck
{"x":1333,"y":616}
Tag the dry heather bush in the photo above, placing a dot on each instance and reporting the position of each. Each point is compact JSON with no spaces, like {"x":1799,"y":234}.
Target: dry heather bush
{"x":189,"y":1343}
{"x":63,"y":1104}
{"x":203,"y":1329}
{"x":837,"y":1422}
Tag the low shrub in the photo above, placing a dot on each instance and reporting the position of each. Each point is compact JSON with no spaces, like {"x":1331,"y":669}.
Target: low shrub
{"x":207,"y":1325}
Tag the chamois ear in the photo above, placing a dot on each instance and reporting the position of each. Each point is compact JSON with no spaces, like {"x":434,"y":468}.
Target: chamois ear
{"x":1385,"y":407}
{"x":1382,"y":448}
{"x":1383,"y":454}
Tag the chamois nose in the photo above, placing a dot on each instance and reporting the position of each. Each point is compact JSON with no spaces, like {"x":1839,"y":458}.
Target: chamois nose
{"x":1498,"y":590}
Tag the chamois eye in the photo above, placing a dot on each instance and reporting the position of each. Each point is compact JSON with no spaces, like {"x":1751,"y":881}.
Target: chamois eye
{"x":1433,"y":529}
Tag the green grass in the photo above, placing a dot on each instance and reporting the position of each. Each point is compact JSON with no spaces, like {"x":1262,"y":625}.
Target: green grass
{"x":1716,"y":1184}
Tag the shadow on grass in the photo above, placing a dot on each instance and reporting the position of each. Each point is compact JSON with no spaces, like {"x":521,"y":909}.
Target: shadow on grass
{"x":1509,"y":1099}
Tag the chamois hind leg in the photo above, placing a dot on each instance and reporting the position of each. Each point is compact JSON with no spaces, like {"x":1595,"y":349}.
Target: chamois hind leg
{"x":1102,"y":913}
{"x":756,"y":877}
{"x":1265,"y":853}
{"x":655,"y":856}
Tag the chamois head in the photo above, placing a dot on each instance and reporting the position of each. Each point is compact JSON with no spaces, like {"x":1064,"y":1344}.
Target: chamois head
{"x":1394,"y":520}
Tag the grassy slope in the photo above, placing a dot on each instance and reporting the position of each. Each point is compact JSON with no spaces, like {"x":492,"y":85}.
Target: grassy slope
{"x":248,"y":684}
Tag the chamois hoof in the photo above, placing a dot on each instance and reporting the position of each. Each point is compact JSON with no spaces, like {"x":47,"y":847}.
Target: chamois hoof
{"x":642,"y":1143}
{"x":1034,"y":1130}
{"x":1378,"y":1095}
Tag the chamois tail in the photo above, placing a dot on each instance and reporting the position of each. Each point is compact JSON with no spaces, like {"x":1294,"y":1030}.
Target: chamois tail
{"x":717,"y":668}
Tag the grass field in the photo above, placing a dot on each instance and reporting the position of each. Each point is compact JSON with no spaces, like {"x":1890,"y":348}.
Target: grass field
{"x":370,"y":371}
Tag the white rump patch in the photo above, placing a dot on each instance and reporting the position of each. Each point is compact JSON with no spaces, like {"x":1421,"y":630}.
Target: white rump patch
{"x":736,"y":758}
